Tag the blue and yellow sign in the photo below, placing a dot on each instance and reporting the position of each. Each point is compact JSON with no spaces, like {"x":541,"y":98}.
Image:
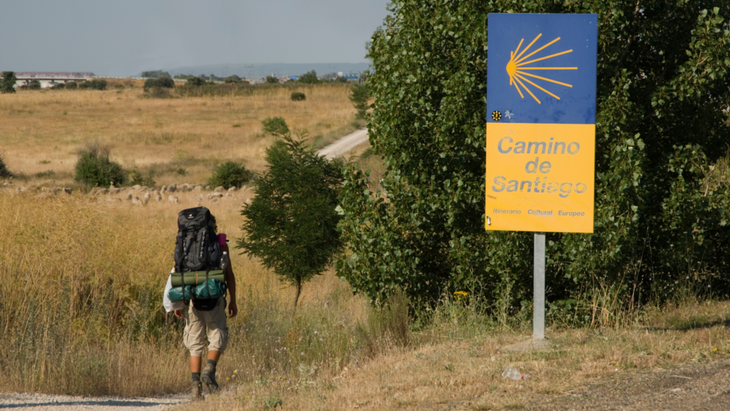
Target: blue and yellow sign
{"x":541,"y":115}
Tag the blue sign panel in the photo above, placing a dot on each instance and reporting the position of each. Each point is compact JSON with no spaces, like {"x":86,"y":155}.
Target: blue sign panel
{"x":542,"y":68}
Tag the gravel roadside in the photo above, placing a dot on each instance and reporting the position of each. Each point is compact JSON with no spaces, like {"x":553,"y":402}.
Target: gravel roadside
{"x":69,"y":403}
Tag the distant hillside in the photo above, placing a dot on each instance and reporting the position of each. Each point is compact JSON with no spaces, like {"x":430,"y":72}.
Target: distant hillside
{"x":263,"y":70}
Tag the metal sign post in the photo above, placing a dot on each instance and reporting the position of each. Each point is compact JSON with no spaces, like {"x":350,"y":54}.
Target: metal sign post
{"x":538,"y":309}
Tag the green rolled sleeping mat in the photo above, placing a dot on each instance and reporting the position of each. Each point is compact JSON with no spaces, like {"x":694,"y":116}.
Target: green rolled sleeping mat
{"x":196,"y":277}
{"x":213,"y":288}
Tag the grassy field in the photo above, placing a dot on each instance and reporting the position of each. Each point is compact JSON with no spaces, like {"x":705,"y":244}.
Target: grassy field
{"x":82,"y":277}
{"x":42,"y":131}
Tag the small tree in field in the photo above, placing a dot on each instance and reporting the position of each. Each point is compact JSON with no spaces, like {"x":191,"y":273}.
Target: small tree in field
{"x":272,"y":80}
{"x":275,"y":125}
{"x":195,"y":81}
{"x":309,"y":78}
{"x":8,"y":82}
{"x":359,"y":98}
{"x":94,"y":168}
{"x":291,"y":225}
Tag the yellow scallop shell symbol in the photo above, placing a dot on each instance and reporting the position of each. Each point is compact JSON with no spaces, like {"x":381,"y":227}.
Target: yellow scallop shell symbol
{"x":518,"y":68}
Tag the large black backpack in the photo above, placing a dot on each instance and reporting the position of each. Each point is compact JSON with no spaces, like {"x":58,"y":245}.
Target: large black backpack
{"x":196,"y":248}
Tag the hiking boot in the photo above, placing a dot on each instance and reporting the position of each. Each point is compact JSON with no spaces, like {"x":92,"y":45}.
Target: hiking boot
{"x":197,"y":390}
{"x":208,"y":378}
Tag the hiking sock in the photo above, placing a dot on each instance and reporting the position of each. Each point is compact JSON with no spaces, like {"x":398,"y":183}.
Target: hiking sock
{"x":196,"y":377}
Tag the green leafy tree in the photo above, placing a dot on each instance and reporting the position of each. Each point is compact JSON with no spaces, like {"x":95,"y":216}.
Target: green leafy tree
{"x":272,"y":80}
{"x":291,"y":224}
{"x":359,"y":98}
{"x":234,"y":79}
{"x":95,"y":84}
{"x":275,"y":125}
{"x":162,"y":82}
{"x":230,"y":174}
{"x":94,"y":168}
{"x":195,"y":81}
{"x":34,"y":85}
{"x":155,"y":74}
{"x":298,"y":96}
{"x":7,"y":85}
{"x":308,"y":78}
{"x":4,"y":172}
{"x":663,"y":94}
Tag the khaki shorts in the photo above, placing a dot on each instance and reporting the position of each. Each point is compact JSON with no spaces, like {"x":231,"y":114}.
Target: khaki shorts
{"x":212,"y":323}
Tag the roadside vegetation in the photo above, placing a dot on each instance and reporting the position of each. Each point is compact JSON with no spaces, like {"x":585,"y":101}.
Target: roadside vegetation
{"x":82,"y":282}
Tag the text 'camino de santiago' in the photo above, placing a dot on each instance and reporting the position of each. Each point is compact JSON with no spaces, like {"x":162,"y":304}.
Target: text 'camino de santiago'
{"x":538,"y":157}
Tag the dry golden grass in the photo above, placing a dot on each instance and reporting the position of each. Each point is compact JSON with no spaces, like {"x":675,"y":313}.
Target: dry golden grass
{"x":464,"y":371}
{"x":43,"y":130}
{"x":82,"y":278}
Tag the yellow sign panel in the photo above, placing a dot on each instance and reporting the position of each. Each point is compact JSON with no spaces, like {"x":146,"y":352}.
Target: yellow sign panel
{"x":540,"y":177}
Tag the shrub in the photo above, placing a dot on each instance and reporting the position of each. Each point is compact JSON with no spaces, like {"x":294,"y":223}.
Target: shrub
{"x":72,"y":85}
{"x":232,"y":79}
{"x":275,"y":125}
{"x":298,"y":96}
{"x":272,"y":80}
{"x":165,"y":82}
{"x":94,"y":168}
{"x":158,"y":92}
{"x":155,"y":74}
{"x":4,"y":172}
{"x":34,"y":85}
{"x":58,"y":86}
{"x":230,"y":174}
{"x":7,"y":85}
{"x":94,"y":84}
{"x":309,"y":78}
{"x":195,"y":81}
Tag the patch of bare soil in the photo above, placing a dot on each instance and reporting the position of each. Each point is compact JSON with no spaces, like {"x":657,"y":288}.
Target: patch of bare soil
{"x":689,"y":387}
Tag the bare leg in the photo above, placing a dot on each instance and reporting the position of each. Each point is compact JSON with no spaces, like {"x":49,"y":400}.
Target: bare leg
{"x":212,"y":355}
{"x":195,"y":364}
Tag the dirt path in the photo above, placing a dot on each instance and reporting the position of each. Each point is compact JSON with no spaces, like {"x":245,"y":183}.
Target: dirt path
{"x":689,"y":387}
{"x":69,"y":403}
{"x":344,"y":144}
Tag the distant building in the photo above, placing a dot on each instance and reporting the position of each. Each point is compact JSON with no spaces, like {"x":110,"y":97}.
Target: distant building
{"x":49,"y":79}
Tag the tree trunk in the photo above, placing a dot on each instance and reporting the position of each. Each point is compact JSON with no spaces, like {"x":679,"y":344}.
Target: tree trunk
{"x":299,"y":291}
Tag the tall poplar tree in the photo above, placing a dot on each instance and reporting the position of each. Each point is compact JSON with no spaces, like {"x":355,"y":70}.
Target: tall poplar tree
{"x":662,"y":122}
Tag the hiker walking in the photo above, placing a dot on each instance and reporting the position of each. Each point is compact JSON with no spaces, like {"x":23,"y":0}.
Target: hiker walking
{"x":204,"y":317}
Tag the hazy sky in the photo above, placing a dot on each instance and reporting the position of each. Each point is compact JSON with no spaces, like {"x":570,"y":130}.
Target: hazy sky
{"x":123,"y":38}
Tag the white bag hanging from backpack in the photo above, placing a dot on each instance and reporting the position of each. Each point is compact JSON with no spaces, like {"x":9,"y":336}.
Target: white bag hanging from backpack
{"x":169,"y":305}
